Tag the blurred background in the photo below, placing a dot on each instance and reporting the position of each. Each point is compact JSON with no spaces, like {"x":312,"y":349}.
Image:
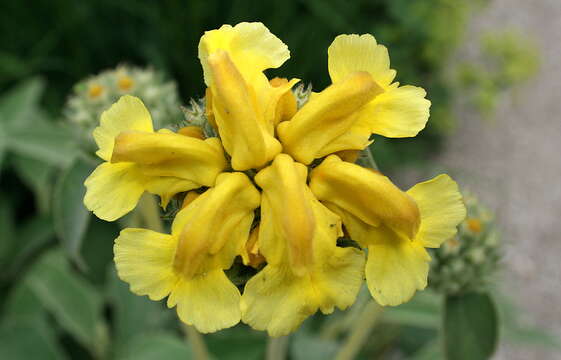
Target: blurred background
{"x":491,"y":69}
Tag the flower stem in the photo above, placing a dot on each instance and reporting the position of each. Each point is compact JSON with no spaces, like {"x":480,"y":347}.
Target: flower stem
{"x":197,"y":343}
{"x":276,"y":348}
{"x":150,"y":213}
{"x":361,"y":329}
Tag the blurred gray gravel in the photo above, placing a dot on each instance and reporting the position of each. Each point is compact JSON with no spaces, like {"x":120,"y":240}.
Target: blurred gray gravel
{"x":514,"y":164}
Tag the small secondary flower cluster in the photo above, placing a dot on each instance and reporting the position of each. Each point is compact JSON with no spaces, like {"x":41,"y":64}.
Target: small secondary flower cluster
{"x":277,"y":186}
{"x":468,"y":261}
{"x":95,"y":94}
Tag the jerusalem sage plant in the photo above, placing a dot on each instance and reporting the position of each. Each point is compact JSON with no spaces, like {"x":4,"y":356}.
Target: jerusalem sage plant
{"x":275,"y":184}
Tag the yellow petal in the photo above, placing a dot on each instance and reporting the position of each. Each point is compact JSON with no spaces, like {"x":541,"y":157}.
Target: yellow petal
{"x":366,"y":194}
{"x":287,"y":219}
{"x":251,"y":47}
{"x":129,"y":113}
{"x":442,"y":209}
{"x":277,"y":300}
{"x":326,"y":117}
{"x":209,"y":301}
{"x":144,"y":259}
{"x":396,"y":267}
{"x":351,"y":53}
{"x":112,"y":190}
{"x":168,"y":187}
{"x":399,"y":112}
{"x":214,"y":227}
{"x":281,"y":296}
{"x":169,"y":154}
{"x":245,"y":133}
{"x":284,"y":102}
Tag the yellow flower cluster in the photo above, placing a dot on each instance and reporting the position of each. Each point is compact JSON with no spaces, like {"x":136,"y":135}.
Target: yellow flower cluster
{"x":274,"y":189}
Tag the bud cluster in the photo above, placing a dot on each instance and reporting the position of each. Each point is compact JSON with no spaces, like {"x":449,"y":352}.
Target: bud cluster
{"x":468,"y":261}
{"x":91,"y":96}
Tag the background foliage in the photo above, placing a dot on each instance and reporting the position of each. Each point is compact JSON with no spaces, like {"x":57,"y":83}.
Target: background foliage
{"x":61,"y":298}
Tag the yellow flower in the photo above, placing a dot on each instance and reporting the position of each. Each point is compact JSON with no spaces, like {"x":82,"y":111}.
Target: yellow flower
{"x":362,"y":101}
{"x":395,"y":226}
{"x":189,"y":264}
{"x":306,"y":270}
{"x":244,"y":103}
{"x":137,"y":159}
{"x":301,"y":210}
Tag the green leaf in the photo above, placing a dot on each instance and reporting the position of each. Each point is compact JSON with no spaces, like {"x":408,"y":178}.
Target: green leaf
{"x":71,"y":217}
{"x":156,"y":346}
{"x":45,"y":141}
{"x":37,"y":175}
{"x":17,"y":106}
{"x":237,"y":343}
{"x":73,"y":302}
{"x":32,"y":236}
{"x":133,"y":314}
{"x":29,"y":340}
{"x":470,"y":327}
{"x":421,"y":311}
{"x":97,"y":249}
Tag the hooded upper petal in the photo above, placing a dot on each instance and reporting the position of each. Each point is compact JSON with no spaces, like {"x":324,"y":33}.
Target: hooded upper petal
{"x":366,"y":194}
{"x":171,"y":154}
{"x":244,"y":103}
{"x":287,"y":220}
{"x":214,"y":227}
{"x":326,"y":117}
{"x":189,"y":264}
{"x":251,"y":46}
{"x":305,"y":271}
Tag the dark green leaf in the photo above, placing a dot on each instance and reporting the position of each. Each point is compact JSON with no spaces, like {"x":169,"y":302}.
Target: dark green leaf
{"x":73,"y":302}
{"x":97,"y":249}
{"x":7,"y":231}
{"x":470,"y":327}
{"x":156,"y":347}
{"x":70,"y":215}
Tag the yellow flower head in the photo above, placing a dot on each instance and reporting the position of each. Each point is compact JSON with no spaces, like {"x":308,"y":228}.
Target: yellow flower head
{"x":275,"y":185}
